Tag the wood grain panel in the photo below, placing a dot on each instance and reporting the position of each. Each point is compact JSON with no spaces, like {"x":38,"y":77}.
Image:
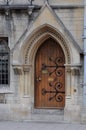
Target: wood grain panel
{"x":49,"y":76}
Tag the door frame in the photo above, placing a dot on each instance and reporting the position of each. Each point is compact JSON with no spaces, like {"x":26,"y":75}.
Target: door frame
{"x":31,"y":57}
{"x":71,"y":65}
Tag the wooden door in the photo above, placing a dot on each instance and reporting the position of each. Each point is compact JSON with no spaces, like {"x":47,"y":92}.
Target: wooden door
{"x":49,"y":76}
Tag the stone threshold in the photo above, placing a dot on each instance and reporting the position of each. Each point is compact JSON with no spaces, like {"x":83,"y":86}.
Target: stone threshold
{"x":48,"y":111}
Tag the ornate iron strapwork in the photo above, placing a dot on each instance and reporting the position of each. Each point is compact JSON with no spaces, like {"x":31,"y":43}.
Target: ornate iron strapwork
{"x":57,"y":92}
{"x":56,"y":95}
{"x":57,"y":61}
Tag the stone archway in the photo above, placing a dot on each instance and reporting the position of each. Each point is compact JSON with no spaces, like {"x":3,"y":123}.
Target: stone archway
{"x":35,"y":42}
{"x":72,"y":65}
{"x":40,"y":35}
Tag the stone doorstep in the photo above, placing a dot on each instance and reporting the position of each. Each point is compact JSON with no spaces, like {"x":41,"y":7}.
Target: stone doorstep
{"x":48,"y":111}
{"x":47,"y":115}
{"x":47,"y":118}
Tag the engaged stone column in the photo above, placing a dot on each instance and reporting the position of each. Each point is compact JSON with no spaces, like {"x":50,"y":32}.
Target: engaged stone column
{"x":26,"y":70}
{"x":26,"y":99}
{"x":68,"y":81}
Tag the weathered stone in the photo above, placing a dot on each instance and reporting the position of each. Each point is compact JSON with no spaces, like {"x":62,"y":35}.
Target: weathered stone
{"x":60,"y":20}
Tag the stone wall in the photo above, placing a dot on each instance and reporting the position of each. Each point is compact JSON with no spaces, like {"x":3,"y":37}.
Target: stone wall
{"x":16,"y":101}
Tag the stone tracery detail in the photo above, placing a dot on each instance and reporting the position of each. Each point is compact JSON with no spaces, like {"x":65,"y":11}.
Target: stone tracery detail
{"x":46,"y":31}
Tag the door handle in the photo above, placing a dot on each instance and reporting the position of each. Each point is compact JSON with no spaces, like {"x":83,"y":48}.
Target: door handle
{"x":38,"y":79}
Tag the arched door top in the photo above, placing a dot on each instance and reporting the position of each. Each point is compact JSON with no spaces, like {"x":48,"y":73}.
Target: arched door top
{"x":40,"y":36}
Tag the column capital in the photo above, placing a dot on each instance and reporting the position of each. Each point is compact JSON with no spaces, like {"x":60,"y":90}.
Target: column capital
{"x":75,"y":71}
{"x":17,"y":69}
{"x":68,"y":69}
{"x":73,"y":68}
{"x":26,"y":68}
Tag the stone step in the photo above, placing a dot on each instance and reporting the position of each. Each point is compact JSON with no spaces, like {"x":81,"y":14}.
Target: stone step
{"x":48,"y":111}
{"x":47,"y":118}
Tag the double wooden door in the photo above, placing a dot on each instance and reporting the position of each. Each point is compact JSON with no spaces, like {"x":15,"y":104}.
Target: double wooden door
{"x":49,"y":76}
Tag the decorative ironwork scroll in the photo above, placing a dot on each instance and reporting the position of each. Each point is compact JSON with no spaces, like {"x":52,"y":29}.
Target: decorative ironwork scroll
{"x":57,"y":97}
{"x":57,"y":93}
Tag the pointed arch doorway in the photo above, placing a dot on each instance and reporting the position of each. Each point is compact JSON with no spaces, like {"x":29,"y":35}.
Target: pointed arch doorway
{"x":49,"y":76}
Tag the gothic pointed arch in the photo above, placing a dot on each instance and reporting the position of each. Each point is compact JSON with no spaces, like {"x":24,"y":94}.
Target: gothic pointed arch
{"x":39,"y":36}
{"x":39,"y":30}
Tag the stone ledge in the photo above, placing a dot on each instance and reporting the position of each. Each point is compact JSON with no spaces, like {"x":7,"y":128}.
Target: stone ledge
{"x":49,"y":111}
{"x":5,"y":90}
{"x":19,"y":69}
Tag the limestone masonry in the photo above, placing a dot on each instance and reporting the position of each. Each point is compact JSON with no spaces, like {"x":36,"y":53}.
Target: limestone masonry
{"x":25,"y":26}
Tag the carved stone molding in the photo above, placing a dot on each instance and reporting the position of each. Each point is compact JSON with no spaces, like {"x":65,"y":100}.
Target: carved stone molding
{"x":68,"y":69}
{"x":17,"y":69}
{"x":73,"y":68}
{"x":26,"y":68}
{"x":75,"y":71}
{"x":47,"y":30}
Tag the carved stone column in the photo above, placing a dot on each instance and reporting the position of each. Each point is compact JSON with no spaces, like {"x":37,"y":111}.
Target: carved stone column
{"x":26,"y":85}
{"x":68,"y":81}
{"x":26,"y":69}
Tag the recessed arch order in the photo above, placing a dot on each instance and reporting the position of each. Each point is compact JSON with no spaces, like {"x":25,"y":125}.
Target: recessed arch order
{"x":39,"y":36}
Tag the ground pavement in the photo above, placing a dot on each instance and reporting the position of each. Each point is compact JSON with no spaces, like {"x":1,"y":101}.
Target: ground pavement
{"x":40,"y":126}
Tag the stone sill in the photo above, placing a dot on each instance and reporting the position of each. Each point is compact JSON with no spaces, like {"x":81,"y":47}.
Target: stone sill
{"x":26,"y":96}
{"x":5,"y":90}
